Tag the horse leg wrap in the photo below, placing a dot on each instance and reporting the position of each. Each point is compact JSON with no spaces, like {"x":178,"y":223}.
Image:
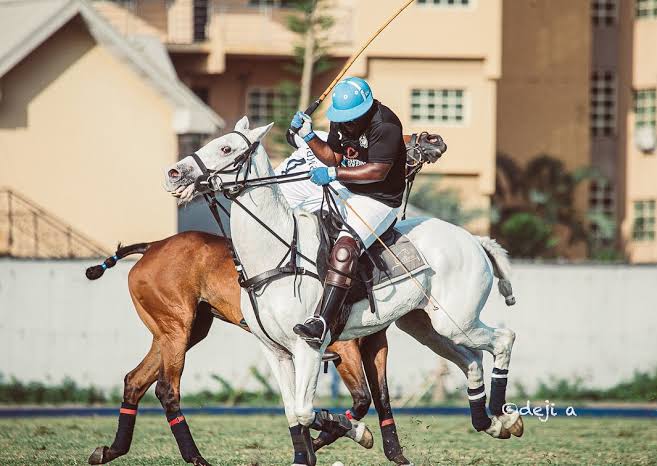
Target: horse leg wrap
{"x":477,"y":398}
{"x":336,"y":424}
{"x":391,"y":446}
{"x":123,"y":439}
{"x":324,"y":439}
{"x":183,"y":436}
{"x":498,"y":391}
{"x":302,"y":444}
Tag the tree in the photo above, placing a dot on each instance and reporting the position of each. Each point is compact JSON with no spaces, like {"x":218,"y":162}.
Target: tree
{"x":311,"y":21}
{"x":534,"y":208}
{"x":443,"y":204}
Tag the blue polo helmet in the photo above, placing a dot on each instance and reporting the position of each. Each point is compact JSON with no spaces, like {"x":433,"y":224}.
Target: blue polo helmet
{"x":352,"y":98}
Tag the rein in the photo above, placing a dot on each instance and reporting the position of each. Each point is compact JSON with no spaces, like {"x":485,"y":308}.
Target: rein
{"x":210,"y":182}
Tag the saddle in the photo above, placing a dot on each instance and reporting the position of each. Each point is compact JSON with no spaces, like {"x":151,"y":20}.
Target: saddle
{"x":378,"y":266}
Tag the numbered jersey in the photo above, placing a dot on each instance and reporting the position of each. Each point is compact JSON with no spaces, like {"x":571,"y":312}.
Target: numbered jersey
{"x":304,"y":194}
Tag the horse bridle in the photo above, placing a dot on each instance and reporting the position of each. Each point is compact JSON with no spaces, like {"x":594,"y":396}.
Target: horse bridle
{"x":209,"y":178}
{"x":207,"y":182}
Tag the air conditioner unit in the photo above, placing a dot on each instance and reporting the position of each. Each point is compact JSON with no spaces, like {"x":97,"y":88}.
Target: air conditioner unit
{"x":645,"y":139}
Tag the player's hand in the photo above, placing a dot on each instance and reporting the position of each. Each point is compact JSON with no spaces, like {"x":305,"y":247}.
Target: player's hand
{"x":302,"y":125}
{"x":323,"y":175}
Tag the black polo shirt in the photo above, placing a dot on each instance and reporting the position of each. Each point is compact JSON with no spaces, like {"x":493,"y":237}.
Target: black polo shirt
{"x":382,"y":142}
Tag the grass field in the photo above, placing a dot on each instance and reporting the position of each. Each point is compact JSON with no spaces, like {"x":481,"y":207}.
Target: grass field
{"x":262,"y":440}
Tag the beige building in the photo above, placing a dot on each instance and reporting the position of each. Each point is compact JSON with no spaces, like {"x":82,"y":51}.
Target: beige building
{"x":578,"y":82}
{"x":87,"y":120}
{"x":436,"y":66}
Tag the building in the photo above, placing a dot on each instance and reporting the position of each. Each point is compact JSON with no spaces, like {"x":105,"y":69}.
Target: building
{"x":88,"y":119}
{"x":578,"y":83}
{"x":428,"y":66}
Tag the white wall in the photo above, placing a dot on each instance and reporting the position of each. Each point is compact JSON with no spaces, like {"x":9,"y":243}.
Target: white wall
{"x":597,"y":322}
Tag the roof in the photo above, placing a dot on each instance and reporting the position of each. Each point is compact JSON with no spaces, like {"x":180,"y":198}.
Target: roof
{"x":26,"y":24}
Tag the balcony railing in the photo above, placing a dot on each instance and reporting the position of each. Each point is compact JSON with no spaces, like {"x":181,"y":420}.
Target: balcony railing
{"x":241,"y":23}
{"x":27,"y":230}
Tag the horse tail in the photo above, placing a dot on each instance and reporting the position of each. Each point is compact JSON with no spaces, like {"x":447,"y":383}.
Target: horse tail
{"x":501,"y":267}
{"x":97,"y":271}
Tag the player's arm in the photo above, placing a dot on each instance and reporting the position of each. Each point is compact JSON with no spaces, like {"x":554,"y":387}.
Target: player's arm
{"x":324,"y":153}
{"x":368,"y":173}
{"x":302,"y":124}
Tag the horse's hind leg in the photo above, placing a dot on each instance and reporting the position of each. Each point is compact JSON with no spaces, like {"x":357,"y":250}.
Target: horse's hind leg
{"x":135,"y":384}
{"x":173,"y":346}
{"x":374,"y":349}
{"x":499,"y":342}
{"x":418,"y":325}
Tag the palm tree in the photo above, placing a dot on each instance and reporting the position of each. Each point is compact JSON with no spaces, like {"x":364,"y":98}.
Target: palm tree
{"x":534,"y":206}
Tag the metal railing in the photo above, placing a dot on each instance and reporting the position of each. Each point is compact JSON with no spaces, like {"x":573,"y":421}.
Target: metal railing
{"x":187,"y":22}
{"x":27,"y":230}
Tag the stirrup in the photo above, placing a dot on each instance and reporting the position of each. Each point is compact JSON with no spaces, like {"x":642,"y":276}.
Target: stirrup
{"x":310,"y":339}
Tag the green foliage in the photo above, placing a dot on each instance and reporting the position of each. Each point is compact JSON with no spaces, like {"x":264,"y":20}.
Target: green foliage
{"x":67,"y":391}
{"x":443,"y":204}
{"x":642,"y":387}
{"x":530,"y":203}
{"x":16,"y":392}
{"x":306,"y":14}
{"x":530,"y":233}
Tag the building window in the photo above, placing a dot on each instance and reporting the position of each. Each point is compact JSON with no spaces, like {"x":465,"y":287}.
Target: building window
{"x":200,"y":14}
{"x":644,"y":221}
{"x":646,"y":9}
{"x":266,"y":105}
{"x":604,"y":12}
{"x":644,"y":108}
{"x":444,"y":2}
{"x":271,"y":3}
{"x":189,"y":143}
{"x":601,"y":211}
{"x":437,"y":106}
{"x":603,"y":103}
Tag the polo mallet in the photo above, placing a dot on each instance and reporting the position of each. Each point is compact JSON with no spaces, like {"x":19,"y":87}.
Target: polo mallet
{"x":311,"y":109}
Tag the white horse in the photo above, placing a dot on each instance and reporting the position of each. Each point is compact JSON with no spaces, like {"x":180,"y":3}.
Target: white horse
{"x":439,"y":307}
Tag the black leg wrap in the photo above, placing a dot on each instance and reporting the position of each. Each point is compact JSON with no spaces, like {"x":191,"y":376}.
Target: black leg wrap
{"x":181,"y":432}
{"x":302,"y":444}
{"x":123,"y":439}
{"x":498,"y":391}
{"x":324,"y":439}
{"x":337,"y":424}
{"x":391,"y":446}
{"x":480,"y":419}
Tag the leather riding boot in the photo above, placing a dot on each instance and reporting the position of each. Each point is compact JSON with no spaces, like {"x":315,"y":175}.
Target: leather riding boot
{"x":342,"y":266}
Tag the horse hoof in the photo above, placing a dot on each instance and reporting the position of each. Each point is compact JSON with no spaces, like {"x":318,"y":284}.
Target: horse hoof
{"x":401,"y":459}
{"x":200,"y":461}
{"x":98,"y":456}
{"x":497,"y":429}
{"x":361,"y":434}
{"x":513,"y":423}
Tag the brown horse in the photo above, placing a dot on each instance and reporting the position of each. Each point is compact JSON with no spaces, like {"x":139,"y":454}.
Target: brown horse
{"x":177,"y":287}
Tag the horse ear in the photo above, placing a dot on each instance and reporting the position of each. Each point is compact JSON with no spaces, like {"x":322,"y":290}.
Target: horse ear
{"x":258,"y":133}
{"x":242,"y":125}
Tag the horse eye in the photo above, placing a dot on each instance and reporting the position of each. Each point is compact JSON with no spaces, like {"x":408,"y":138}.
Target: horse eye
{"x":226,"y":149}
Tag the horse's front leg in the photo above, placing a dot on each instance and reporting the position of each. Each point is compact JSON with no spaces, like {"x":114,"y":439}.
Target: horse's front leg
{"x":282,"y":367}
{"x":307,"y":362}
{"x":350,"y":368}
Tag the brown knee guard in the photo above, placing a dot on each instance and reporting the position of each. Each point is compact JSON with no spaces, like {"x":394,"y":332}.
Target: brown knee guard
{"x":342,"y":263}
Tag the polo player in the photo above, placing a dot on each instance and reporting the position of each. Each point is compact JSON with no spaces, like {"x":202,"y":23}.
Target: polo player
{"x":365,"y":152}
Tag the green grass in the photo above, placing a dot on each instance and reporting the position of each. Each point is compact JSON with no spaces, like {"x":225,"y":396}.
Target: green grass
{"x":263,"y":440}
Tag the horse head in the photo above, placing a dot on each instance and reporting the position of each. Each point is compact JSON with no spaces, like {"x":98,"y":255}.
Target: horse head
{"x":224,"y":154}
